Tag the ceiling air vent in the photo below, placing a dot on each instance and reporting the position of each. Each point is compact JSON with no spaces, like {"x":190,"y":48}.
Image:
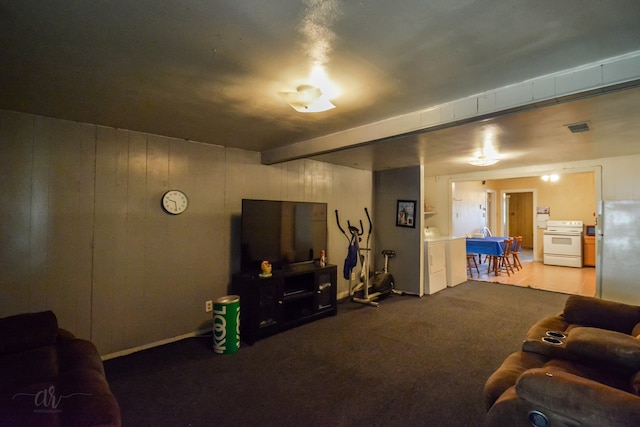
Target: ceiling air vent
{"x":579,"y":127}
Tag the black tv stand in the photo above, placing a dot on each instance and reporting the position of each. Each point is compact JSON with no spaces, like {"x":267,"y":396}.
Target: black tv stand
{"x":300,"y":267}
{"x":290,"y":297}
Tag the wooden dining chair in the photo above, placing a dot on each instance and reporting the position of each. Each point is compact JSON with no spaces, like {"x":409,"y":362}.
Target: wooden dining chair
{"x":503,"y":262}
{"x":515,"y":251}
{"x":472,"y":258}
{"x":493,"y":263}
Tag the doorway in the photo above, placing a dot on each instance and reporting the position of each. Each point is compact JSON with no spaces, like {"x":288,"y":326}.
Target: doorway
{"x":518,"y":216}
{"x":558,"y":196}
{"x":491,"y":210}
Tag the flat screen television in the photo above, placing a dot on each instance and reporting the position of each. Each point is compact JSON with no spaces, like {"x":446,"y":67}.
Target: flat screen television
{"x":282,"y":232}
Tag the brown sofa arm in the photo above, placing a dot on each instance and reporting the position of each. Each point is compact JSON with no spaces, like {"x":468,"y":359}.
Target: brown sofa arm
{"x":589,"y":311}
{"x":588,"y":402}
{"x":545,"y":329}
{"x":507,"y":374}
{"x":614,"y":348}
{"x":26,"y":331}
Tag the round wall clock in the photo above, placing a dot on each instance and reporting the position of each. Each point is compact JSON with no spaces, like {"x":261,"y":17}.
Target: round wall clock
{"x":175,"y":202}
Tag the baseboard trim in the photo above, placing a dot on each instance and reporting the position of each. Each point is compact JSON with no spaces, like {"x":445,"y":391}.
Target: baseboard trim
{"x":154,"y":344}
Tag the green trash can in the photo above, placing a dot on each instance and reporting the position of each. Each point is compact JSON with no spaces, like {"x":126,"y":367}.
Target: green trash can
{"x":226,"y":324}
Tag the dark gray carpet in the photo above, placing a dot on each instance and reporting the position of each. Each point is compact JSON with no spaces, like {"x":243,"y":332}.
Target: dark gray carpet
{"x":410,"y":362}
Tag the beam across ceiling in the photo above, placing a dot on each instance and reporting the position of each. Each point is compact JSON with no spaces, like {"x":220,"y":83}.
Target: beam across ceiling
{"x":588,"y":80}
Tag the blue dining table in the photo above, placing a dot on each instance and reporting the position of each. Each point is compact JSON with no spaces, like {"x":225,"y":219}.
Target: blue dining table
{"x":492,"y":246}
{"x":485,"y":245}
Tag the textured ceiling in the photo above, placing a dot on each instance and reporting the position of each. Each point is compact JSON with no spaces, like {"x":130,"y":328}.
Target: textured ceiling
{"x":210,"y":70}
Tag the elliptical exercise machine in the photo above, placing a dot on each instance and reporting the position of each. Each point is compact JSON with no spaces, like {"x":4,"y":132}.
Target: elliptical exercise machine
{"x":382,"y":281}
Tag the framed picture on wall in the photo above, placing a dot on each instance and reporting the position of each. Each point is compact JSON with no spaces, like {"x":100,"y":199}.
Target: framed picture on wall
{"x":406,"y":213}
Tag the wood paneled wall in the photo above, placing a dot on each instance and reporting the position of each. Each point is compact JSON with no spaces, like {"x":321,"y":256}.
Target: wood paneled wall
{"x":46,"y":217}
{"x":82,"y":232}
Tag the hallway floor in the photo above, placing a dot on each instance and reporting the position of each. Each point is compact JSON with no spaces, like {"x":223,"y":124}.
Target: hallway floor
{"x":534,"y":274}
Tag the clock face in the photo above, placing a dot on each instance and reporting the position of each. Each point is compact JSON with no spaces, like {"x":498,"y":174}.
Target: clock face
{"x":175,"y":202}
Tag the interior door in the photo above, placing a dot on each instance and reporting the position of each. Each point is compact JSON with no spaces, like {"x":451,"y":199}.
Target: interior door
{"x":521,"y":217}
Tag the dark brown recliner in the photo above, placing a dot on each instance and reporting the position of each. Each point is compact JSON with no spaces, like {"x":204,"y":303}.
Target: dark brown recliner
{"x":579,"y":368}
{"x":50,"y":378}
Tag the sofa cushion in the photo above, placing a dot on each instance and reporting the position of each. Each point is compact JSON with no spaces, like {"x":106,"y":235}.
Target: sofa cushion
{"x":27,"y":331}
{"x":616,"y":348}
{"x":589,"y":311}
{"x":610,"y":375}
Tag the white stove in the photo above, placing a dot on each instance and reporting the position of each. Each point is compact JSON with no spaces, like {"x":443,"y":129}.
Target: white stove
{"x":563,"y":243}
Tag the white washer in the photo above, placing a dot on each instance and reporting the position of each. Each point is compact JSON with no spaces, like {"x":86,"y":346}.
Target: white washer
{"x":435,"y":261}
{"x":455,"y":253}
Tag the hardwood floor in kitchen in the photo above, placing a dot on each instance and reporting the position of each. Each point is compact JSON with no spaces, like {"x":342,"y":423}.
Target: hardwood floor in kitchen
{"x":534,"y":274}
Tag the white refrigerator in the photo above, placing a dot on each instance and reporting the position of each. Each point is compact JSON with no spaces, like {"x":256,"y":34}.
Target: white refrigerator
{"x":617,"y":248}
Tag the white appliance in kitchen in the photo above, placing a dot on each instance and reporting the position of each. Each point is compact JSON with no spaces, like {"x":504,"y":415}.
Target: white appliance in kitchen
{"x":435,"y":265}
{"x":563,"y":243}
{"x":617,"y":243}
{"x":445,"y":260}
{"x":456,"y":248}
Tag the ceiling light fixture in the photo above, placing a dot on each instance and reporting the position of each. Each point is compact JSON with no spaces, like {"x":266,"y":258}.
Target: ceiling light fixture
{"x":482,"y":160}
{"x":307,"y":99}
{"x":314,"y":95}
{"x":553,"y":177}
{"x":487,"y":155}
